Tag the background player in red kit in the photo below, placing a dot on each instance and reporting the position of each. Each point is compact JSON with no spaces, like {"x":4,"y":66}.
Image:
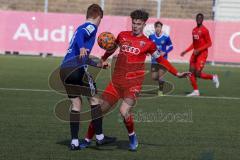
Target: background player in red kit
{"x":200,"y":45}
{"x":129,"y":72}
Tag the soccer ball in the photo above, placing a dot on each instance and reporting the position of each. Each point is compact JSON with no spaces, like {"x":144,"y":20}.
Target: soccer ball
{"x":106,"y":40}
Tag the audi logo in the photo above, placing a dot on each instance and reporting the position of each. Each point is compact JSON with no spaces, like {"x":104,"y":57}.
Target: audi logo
{"x":130,"y":49}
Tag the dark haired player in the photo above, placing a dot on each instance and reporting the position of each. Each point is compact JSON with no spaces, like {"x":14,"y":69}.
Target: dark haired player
{"x":76,"y":78}
{"x":200,"y":45}
{"x":129,"y":71}
{"x":164,"y":46}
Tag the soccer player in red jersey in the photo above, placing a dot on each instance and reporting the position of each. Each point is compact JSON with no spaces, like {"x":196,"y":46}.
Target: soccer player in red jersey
{"x":129,"y":72}
{"x":200,"y":45}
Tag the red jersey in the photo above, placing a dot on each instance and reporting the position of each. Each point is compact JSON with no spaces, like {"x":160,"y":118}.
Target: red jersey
{"x":130,"y":68}
{"x":201,"y":39}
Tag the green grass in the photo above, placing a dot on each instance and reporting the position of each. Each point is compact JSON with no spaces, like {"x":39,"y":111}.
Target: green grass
{"x":30,"y":130}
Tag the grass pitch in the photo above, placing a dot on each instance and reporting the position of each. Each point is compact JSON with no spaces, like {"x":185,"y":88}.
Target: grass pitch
{"x":168,"y":128}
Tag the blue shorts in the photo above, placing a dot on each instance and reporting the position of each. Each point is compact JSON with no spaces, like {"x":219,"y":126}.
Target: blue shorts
{"x":78,"y":82}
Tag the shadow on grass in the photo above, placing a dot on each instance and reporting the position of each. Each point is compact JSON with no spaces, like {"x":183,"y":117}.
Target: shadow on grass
{"x":119,"y":144}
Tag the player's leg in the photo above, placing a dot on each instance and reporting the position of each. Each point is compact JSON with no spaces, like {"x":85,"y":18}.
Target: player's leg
{"x":192,"y":77}
{"x":125,"y":110}
{"x":129,"y":101}
{"x":75,"y":121}
{"x":71,"y":78}
{"x":155,"y":76}
{"x":161,"y":72}
{"x":104,"y":105}
{"x":200,"y":74}
{"x":154,"y":71}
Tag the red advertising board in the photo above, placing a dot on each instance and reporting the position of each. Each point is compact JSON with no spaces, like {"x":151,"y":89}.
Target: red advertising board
{"x":35,"y":32}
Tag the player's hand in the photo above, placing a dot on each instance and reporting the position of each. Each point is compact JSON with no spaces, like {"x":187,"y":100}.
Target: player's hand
{"x":196,"y":52}
{"x":183,"y":74}
{"x":103,"y":64}
{"x":183,"y":53}
{"x":83,"y":52}
{"x":106,"y":65}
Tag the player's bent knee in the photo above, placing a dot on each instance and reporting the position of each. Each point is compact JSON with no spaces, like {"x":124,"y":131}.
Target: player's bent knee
{"x":76,"y":104}
{"x":105,"y":106}
{"x":93,"y":100}
{"x":126,"y":106}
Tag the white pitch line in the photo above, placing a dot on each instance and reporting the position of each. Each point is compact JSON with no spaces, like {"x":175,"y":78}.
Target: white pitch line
{"x":175,"y":96}
{"x":204,"y":97}
{"x":25,"y":90}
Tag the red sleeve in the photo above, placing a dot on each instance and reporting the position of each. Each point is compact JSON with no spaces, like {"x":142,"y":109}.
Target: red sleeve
{"x":162,"y":61}
{"x":110,"y":52}
{"x":152,"y":48}
{"x":208,"y":41}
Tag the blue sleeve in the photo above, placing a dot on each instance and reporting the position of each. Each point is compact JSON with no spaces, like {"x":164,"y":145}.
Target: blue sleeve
{"x":80,"y":38}
{"x":151,"y":37}
{"x":84,"y":34}
{"x":169,"y":45}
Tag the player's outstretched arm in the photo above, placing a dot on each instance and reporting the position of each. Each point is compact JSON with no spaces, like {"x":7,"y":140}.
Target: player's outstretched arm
{"x":108,"y":53}
{"x":187,"y":50}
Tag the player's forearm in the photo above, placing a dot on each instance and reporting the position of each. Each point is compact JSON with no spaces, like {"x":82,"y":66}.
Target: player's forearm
{"x":169,"y":49}
{"x":165,"y":63}
{"x":189,"y":48}
{"x":206,"y":46}
{"x":108,"y":54}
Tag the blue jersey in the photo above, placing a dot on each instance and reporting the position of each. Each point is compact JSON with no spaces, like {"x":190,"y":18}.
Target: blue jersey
{"x":163,"y":43}
{"x":84,"y":36}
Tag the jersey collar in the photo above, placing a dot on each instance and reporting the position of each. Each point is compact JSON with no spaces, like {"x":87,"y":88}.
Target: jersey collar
{"x":158,"y":37}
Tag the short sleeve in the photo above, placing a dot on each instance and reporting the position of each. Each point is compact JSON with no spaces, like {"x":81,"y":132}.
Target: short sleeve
{"x":152,"y":48}
{"x":89,"y":30}
{"x":119,"y":38}
{"x":169,"y":42}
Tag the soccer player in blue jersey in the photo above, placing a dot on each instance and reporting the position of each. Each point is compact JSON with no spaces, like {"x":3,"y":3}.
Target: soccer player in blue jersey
{"x":78,"y":81}
{"x":164,"y":45}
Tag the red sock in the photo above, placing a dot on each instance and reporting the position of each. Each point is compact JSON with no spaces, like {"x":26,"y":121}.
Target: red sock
{"x":129,"y":124}
{"x":193,"y":81}
{"x":206,"y":76}
{"x":91,"y":132}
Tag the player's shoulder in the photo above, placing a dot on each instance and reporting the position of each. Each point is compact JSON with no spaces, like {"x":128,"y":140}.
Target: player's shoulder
{"x":151,"y":36}
{"x":88,"y":27}
{"x":195,"y":28}
{"x":165,"y":35}
{"x":204,"y":28}
{"x":124,"y":33}
{"x":147,"y":39}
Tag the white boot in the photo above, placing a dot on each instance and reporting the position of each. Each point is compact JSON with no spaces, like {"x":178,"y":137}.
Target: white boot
{"x":194,"y":93}
{"x":216,"y":81}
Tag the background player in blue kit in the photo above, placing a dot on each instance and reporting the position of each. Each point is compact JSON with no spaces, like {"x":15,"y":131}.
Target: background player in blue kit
{"x":164,"y":45}
{"x":77,"y":80}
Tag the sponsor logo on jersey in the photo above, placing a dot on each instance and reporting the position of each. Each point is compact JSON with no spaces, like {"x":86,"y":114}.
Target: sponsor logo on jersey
{"x":196,"y":36}
{"x":130,"y":49}
{"x":90,"y":28}
{"x":142,"y":43}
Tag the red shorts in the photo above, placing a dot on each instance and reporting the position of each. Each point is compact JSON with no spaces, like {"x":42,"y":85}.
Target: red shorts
{"x":113,"y":93}
{"x":198,"y":62}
